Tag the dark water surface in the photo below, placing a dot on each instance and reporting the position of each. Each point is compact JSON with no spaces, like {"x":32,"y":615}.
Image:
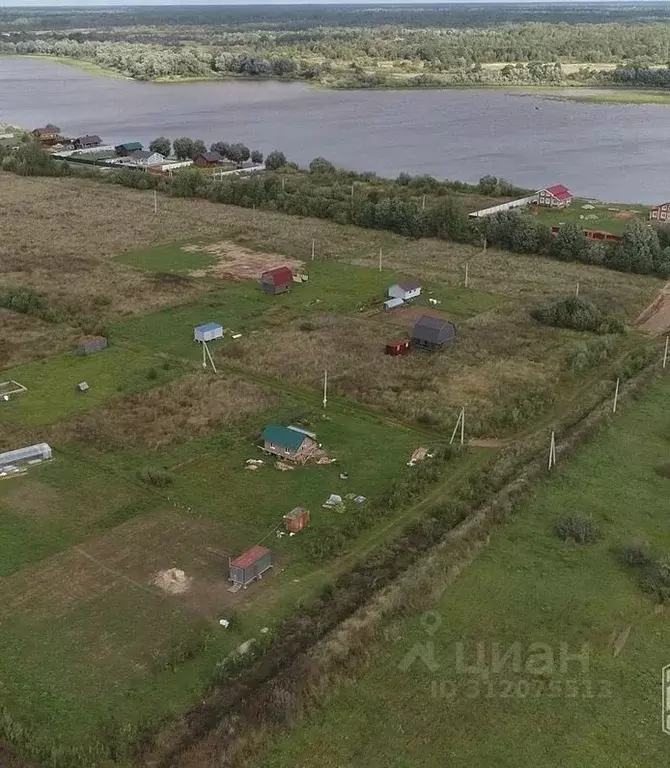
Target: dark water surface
{"x":615,"y":152}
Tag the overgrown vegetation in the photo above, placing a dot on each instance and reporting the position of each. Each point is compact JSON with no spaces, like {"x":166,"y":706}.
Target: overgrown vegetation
{"x":578,"y":529}
{"x":588,"y":354}
{"x":408,"y":47}
{"x":416,"y":207}
{"x":578,"y":314}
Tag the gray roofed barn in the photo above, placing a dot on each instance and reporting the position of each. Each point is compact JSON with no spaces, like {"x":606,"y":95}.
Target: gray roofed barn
{"x":432,"y":333}
{"x":87,"y":142}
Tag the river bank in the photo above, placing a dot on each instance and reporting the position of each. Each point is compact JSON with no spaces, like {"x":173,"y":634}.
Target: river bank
{"x":579,"y":92}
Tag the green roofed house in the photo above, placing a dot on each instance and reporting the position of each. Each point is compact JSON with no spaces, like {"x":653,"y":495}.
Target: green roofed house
{"x":123,"y":150}
{"x":289,"y":443}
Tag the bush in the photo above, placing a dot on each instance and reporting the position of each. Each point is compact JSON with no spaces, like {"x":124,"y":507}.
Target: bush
{"x":156,"y":476}
{"x":580,"y":530}
{"x":663,"y":470}
{"x":657,"y":579}
{"x":587,"y":354}
{"x":275,"y":160}
{"x":577,"y":314}
{"x":636,"y":553}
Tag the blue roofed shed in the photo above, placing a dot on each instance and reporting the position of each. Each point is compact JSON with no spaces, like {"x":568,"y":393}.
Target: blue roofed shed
{"x":288,"y":443}
{"x":208,"y":332}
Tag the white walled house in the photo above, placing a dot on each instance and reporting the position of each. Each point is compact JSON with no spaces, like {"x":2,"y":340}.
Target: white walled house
{"x":405,"y":290}
{"x":557,"y":196}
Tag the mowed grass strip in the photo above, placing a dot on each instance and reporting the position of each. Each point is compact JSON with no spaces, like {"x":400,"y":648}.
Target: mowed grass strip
{"x":52,"y":382}
{"x":592,"y":214}
{"x":528,"y":587}
{"x":170,"y":257}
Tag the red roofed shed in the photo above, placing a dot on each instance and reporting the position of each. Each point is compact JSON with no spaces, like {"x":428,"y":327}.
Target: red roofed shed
{"x":557,"y":196}
{"x":250,"y":565}
{"x":277,"y":280}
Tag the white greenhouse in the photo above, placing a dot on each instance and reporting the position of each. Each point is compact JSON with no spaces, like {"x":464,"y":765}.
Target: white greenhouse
{"x":30,"y":455}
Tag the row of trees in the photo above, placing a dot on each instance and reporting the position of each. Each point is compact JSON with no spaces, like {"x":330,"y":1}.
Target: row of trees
{"x":383,"y":204}
{"x":186,"y":148}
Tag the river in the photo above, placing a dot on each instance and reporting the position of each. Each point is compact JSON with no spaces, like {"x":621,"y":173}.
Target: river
{"x":613,"y":152}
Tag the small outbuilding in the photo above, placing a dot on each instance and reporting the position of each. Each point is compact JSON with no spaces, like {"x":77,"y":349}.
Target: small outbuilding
{"x":406,"y":290}
{"x":250,"y":565}
{"x":432,"y":333}
{"x":87,"y":142}
{"x":288,"y":443}
{"x":88,"y":345}
{"x":296,"y":520}
{"x":207,"y":332}
{"x":208,"y":160}
{"x":393,"y":303}
{"x":82,"y":387}
{"x":398,"y":347}
{"x":277,"y":280}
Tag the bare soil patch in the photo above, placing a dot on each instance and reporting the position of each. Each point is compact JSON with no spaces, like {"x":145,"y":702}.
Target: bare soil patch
{"x":31,"y":498}
{"x":238,"y":262}
{"x":194,"y":406}
{"x":129,"y":558}
{"x":625,"y":215}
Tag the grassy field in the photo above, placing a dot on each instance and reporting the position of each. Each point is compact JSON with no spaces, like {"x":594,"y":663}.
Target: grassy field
{"x":85,"y":541}
{"x":528,"y":587}
{"x":607,"y":217}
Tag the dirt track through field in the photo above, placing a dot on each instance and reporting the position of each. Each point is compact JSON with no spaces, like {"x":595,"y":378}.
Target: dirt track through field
{"x":240,"y":263}
{"x":655,"y":319}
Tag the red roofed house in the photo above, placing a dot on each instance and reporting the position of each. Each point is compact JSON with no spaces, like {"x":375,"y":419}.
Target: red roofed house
{"x":660,"y":212}
{"x":277,"y":280}
{"x":557,"y":196}
{"x":250,"y":565}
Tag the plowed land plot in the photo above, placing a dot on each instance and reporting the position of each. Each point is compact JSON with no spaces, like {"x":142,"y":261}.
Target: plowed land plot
{"x":239,"y":263}
{"x":129,"y":558}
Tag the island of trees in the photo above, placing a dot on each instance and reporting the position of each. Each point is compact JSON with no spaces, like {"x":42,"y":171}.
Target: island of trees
{"x":345,"y":47}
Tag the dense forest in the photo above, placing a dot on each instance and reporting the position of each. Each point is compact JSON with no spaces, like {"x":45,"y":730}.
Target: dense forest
{"x":343,"y":46}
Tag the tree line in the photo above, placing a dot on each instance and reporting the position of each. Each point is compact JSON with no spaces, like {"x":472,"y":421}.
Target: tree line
{"x":374,"y":56}
{"x":415,"y":207}
{"x":186,"y":148}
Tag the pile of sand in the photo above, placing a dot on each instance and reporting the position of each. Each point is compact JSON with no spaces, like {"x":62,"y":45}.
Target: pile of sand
{"x":174,"y":581}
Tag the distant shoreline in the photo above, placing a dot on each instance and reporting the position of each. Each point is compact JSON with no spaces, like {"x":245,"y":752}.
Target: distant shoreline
{"x":561,"y":92}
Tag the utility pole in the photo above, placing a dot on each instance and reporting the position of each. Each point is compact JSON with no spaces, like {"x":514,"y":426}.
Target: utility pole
{"x":325,"y":388}
{"x":313,"y":245}
{"x":380,"y":259}
{"x":552,"y":451}
{"x":616,"y":397}
{"x":466,"y":273}
{"x":577,"y":290}
{"x":665,"y":354}
{"x":423,"y":204}
{"x":155,"y":202}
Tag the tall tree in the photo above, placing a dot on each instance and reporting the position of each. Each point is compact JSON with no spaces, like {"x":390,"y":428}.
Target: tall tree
{"x":222,"y":147}
{"x":183,"y":147}
{"x":275,"y":160}
{"x":160,"y":145}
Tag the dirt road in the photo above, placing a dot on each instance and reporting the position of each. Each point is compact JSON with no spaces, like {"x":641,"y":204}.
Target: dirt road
{"x":655,"y":319}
